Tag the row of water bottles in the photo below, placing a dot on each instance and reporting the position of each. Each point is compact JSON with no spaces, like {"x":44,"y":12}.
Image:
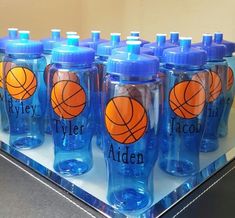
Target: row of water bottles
{"x":140,"y":102}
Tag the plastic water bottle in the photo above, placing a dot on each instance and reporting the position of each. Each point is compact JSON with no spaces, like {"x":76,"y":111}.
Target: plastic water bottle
{"x":104,"y":50}
{"x":93,"y":41}
{"x":12,"y":35}
{"x":184,"y":108}
{"x":48,"y":45}
{"x":217,"y":91}
{"x":230,"y":87}
{"x":130,"y":108}
{"x":25,"y":91}
{"x":71,"y":84}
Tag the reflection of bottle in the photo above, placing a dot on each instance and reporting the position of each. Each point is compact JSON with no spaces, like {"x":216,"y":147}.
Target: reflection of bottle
{"x":94,"y":41}
{"x":48,"y":45}
{"x":130,"y":106}
{"x":12,"y":35}
{"x":217,"y":91}
{"x":25,"y":91}
{"x":71,"y":85}
{"x":159,"y":46}
{"x":230,"y":87}
{"x":104,"y":50}
{"x":184,"y":102}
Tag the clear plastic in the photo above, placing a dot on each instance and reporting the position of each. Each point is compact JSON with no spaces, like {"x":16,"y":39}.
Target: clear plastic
{"x":25,"y":99}
{"x":131,"y":152}
{"x":4,"y":124}
{"x":229,"y":97}
{"x":183,"y":121}
{"x":216,"y":104}
{"x":72,"y":106}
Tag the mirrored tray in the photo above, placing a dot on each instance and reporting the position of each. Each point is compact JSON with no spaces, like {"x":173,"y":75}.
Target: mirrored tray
{"x":91,"y":188}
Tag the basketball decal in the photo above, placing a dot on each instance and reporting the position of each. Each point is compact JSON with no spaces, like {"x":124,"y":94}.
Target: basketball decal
{"x":230,"y":78}
{"x":187,"y":99}
{"x":21,"y":83}
{"x":215,"y":84}
{"x":126,"y":119}
{"x":68,"y":99}
{"x":64,"y":75}
{"x":4,"y":68}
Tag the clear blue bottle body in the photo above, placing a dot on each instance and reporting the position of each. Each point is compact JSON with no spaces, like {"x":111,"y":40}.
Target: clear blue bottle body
{"x":180,"y":137}
{"x":26,"y":117}
{"x":73,"y":137}
{"x":130,"y":166}
{"x":4,"y":124}
{"x":215,"y":107}
{"x":229,"y":97}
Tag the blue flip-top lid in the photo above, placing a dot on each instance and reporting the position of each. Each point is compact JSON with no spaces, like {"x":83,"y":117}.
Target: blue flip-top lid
{"x":215,"y":52}
{"x":132,"y":63}
{"x":12,"y":35}
{"x":135,"y":34}
{"x":93,"y":41}
{"x":159,"y":45}
{"x":185,"y":54}
{"x":230,"y":46}
{"x":105,"y":49}
{"x":174,"y":38}
{"x":24,"y":45}
{"x":71,"y":53}
{"x":49,"y":43}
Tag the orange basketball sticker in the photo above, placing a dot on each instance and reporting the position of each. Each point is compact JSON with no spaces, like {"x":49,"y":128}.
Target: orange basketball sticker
{"x":230,"y":78}
{"x":215,"y":84}
{"x":4,"y":68}
{"x":126,"y":119}
{"x":187,"y":99}
{"x":68,"y":99}
{"x":21,"y":83}
{"x":64,"y":75}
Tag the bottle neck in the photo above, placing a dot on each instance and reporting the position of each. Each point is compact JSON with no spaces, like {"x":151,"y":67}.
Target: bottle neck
{"x":184,"y":67}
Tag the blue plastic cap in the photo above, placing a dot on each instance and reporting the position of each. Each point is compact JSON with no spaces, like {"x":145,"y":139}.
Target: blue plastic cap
{"x":132,"y":38}
{"x":174,"y":37}
{"x":131,"y":63}
{"x":215,"y":52}
{"x":159,"y":45}
{"x":135,"y":33}
{"x":69,"y":33}
{"x":95,"y":35}
{"x":143,"y":50}
{"x":71,"y":53}
{"x":185,"y":55}
{"x":12,"y":35}
{"x":105,"y":49}
{"x":24,"y":46}
{"x":230,"y":46}
{"x":50,"y":43}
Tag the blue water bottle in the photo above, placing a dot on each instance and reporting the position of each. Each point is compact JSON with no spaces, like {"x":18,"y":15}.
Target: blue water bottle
{"x":48,"y":45}
{"x":137,"y":33}
{"x":184,"y":108}
{"x":71,"y":84}
{"x":25,"y":91}
{"x":12,"y":35}
{"x":93,"y":41}
{"x":230,"y":87}
{"x":159,"y":46}
{"x":217,"y":83}
{"x":130,"y":105}
{"x":174,"y":38}
{"x":104,"y":50}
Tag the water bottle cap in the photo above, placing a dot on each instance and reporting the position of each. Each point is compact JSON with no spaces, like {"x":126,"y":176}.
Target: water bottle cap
{"x":185,"y":55}
{"x":105,"y":49}
{"x":132,"y":38}
{"x":50,"y":43}
{"x":143,"y":50}
{"x":24,"y":45}
{"x":72,"y":54}
{"x":215,"y":52}
{"x":132,"y":63}
{"x":174,"y":38}
{"x":230,"y":46}
{"x":135,"y":33}
{"x":12,"y":35}
{"x":71,"y":33}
